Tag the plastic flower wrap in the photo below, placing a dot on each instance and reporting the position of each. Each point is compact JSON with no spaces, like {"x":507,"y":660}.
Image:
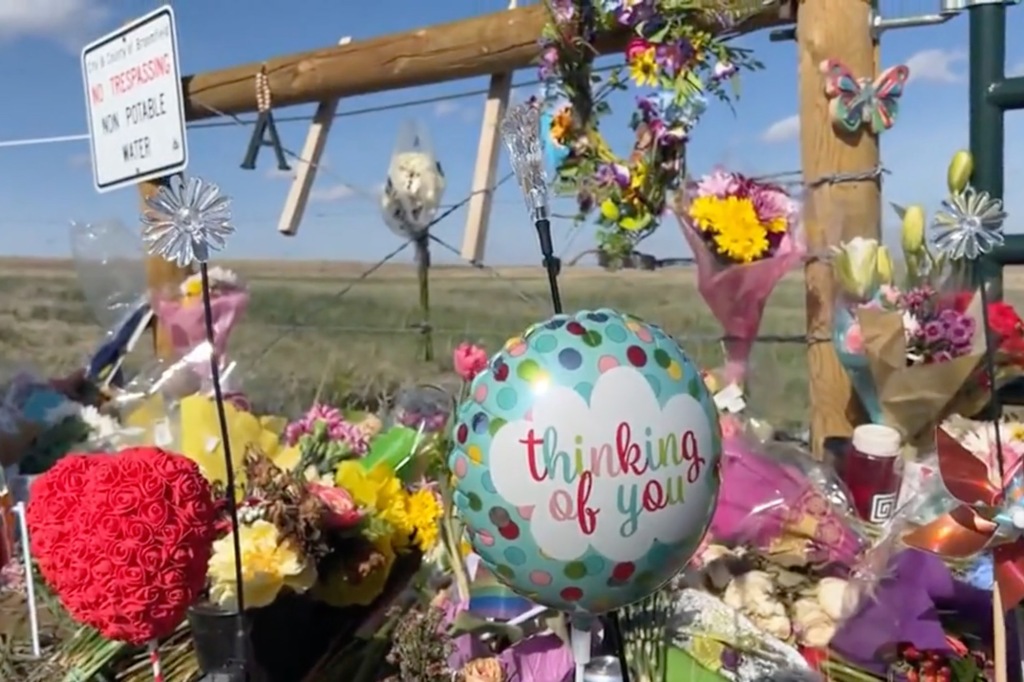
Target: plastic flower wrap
{"x":182,"y":312}
{"x":415,"y":184}
{"x":745,"y":236}
{"x":110,"y":268}
{"x":776,"y":500}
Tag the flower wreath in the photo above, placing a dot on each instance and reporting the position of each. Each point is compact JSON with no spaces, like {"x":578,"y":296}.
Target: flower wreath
{"x":677,"y":49}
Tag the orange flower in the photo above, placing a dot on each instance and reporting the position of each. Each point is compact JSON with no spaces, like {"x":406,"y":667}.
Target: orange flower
{"x":561,"y":124}
{"x":483,"y":670}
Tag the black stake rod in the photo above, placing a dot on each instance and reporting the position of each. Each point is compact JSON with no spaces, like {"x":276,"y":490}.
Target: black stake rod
{"x":552,"y":263}
{"x":241,"y":648}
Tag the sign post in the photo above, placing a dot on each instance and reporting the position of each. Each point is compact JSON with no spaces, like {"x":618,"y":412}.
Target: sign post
{"x":134,"y":103}
{"x":136,"y":118}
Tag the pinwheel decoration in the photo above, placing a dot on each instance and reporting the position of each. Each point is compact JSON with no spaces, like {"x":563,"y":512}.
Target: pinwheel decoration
{"x":985,"y":517}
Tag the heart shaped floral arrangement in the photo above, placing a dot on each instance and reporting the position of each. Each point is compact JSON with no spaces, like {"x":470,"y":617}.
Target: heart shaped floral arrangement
{"x":124,"y":539}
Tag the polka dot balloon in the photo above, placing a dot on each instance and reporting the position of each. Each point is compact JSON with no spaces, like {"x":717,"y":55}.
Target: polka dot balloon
{"x":586,"y":461}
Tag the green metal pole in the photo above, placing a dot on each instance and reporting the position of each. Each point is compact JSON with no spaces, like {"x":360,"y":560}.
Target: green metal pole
{"x":987,"y":135}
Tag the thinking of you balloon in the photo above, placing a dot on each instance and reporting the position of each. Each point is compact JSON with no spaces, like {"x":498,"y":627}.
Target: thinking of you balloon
{"x":586,"y":461}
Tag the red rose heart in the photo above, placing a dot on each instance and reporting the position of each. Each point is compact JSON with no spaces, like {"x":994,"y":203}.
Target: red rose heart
{"x":124,"y":540}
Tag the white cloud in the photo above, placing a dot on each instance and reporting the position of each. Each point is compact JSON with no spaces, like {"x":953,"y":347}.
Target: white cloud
{"x":339,"y":192}
{"x":936,"y":65}
{"x":783,"y":130}
{"x":445,"y":108}
{"x":70,"y":22}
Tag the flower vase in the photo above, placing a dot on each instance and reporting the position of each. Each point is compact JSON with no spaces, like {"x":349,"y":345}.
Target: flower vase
{"x":213,"y":637}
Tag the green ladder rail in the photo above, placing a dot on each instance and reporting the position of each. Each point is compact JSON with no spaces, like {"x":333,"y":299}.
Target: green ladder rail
{"x":992,"y":95}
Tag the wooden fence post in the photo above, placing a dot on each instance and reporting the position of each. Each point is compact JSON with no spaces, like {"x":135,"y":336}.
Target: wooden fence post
{"x":832,"y":29}
{"x":485,"y":173}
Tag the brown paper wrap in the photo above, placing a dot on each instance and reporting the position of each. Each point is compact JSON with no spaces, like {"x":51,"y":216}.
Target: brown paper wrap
{"x":915,"y":399}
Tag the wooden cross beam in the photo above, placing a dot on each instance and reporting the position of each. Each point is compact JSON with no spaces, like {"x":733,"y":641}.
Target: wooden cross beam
{"x":496,"y":43}
{"x":500,"y":42}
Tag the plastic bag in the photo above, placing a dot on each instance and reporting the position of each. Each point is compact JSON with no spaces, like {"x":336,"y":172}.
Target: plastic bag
{"x":735,"y":278}
{"x":172,"y":402}
{"x":109,"y":262}
{"x":415,"y":183}
{"x":779,"y":502}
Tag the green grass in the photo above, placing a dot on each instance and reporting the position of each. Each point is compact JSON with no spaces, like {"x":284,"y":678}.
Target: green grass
{"x":300,"y":335}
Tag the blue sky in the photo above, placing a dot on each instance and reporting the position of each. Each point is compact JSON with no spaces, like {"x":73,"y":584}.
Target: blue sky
{"x":45,"y":186}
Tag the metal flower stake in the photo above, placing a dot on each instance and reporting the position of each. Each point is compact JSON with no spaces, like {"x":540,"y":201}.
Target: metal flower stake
{"x":182,"y":223}
{"x":970,"y":226}
{"x":520,"y":129}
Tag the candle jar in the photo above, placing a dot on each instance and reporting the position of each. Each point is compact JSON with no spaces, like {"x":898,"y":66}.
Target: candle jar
{"x":872,"y":471}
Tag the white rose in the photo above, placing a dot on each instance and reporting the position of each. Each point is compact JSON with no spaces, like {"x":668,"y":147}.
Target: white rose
{"x":832,"y":595}
{"x":818,"y":636}
{"x":778,"y":626}
{"x":814,"y":626}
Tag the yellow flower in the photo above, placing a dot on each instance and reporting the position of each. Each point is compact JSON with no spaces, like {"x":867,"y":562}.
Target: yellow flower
{"x":374,"y":490}
{"x":424,"y":513}
{"x":347,"y":588}
{"x":269,"y":564}
{"x":192,"y":287}
{"x":644,"y":69}
{"x":736,"y":230}
{"x":609,"y":210}
{"x":703,"y":211}
{"x":742,"y":245}
{"x":637,"y":176}
{"x":777,"y":225}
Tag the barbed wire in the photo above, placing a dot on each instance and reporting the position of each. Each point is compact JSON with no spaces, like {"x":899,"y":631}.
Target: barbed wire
{"x":295,"y":118}
{"x":415,"y":328}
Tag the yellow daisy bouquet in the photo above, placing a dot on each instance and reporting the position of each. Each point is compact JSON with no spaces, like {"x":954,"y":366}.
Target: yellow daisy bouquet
{"x":745,"y":235}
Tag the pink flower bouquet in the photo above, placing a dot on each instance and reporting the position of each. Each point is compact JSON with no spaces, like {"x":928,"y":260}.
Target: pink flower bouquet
{"x":184,"y":316}
{"x":745,"y":235}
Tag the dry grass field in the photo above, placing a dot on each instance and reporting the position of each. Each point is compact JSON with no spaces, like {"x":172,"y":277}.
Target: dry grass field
{"x":319,"y":325}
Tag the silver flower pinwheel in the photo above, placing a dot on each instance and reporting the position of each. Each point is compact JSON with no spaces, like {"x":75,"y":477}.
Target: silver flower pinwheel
{"x":970,"y":224}
{"x":185,"y":219}
{"x":520,"y":129}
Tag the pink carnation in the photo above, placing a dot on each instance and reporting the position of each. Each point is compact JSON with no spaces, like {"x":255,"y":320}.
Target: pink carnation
{"x":719,"y":184}
{"x":771,"y":203}
{"x":331,"y":416}
{"x":351,"y":435}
